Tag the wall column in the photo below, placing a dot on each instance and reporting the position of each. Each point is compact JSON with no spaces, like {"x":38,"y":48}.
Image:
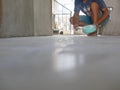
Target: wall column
{"x":113,"y":27}
{"x":43,"y":17}
{"x":25,"y":18}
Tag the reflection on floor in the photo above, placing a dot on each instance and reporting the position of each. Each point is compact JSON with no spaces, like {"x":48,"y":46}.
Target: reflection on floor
{"x":60,"y":63}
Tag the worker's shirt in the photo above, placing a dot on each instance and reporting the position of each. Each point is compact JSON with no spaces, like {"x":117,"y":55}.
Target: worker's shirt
{"x":85,"y":7}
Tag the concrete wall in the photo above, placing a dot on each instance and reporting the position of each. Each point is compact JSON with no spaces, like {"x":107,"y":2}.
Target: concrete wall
{"x":17,"y":19}
{"x":43,"y":17}
{"x":25,"y":18}
{"x":113,"y":27}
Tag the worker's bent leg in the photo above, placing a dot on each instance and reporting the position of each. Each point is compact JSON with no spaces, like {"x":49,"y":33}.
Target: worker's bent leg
{"x":95,"y":12}
{"x":95,"y":16}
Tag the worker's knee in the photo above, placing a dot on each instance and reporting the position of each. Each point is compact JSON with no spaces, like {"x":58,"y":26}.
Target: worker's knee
{"x":94,"y":5}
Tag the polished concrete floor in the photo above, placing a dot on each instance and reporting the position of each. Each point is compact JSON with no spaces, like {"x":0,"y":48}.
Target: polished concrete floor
{"x":60,"y":63}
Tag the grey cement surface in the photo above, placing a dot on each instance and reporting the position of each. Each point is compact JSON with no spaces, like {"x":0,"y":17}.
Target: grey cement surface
{"x":112,"y":28}
{"x":17,"y":19}
{"x":42,"y":17}
{"x":21,"y":18}
{"x":60,"y":63}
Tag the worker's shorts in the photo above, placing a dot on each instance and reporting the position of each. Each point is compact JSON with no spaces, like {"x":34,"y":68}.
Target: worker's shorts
{"x":88,"y":20}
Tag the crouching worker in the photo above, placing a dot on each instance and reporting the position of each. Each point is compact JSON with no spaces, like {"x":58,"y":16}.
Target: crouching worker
{"x":96,"y":12}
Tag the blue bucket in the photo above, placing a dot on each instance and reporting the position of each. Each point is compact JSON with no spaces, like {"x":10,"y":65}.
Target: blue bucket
{"x":89,"y":29}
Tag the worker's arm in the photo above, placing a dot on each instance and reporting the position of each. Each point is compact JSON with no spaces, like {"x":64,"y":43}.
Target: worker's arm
{"x":75,"y":20}
{"x":106,"y":13}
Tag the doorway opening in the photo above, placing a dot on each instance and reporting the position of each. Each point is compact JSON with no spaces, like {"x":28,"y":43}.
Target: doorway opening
{"x":61,"y":13}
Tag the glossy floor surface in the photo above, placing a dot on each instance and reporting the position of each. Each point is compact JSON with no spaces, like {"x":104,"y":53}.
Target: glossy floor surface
{"x":60,"y":63}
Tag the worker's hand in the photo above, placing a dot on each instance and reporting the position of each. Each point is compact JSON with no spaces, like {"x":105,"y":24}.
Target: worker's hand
{"x":97,"y":25}
{"x":75,"y":20}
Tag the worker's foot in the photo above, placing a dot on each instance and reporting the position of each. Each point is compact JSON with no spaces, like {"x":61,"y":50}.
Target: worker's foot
{"x":93,"y":34}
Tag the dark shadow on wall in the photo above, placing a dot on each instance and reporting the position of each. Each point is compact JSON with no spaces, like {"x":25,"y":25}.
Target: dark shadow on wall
{"x":1,"y":12}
